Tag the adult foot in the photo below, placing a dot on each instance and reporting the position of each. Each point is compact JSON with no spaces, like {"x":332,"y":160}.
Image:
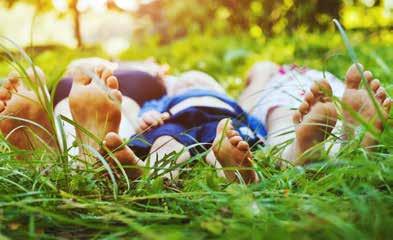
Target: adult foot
{"x":358,"y":100}
{"x":23,"y":119}
{"x":233,"y":152}
{"x":123,"y":154}
{"x":95,"y":105}
{"x":315,"y":120}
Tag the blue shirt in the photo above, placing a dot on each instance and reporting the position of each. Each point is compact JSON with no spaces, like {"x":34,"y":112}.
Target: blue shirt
{"x":167,"y":102}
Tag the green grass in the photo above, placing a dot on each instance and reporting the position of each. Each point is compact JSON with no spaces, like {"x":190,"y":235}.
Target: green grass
{"x":346,"y":196}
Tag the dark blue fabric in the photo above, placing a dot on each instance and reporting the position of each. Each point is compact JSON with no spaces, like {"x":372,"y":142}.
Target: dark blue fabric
{"x":137,"y":85}
{"x":196,"y":126}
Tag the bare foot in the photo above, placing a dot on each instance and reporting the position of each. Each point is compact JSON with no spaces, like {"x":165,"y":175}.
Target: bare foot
{"x":123,"y":154}
{"x":95,"y":105}
{"x":361,"y":102}
{"x":315,"y":119}
{"x":233,"y":152}
{"x":24,"y":121}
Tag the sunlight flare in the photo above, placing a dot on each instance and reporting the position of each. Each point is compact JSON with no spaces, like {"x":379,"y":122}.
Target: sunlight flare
{"x":60,"y":5}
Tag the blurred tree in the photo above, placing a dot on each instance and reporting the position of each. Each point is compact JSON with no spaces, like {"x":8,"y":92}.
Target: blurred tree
{"x":71,"y":6}
{"x":77,"y":22}
{"x":46,"y":5}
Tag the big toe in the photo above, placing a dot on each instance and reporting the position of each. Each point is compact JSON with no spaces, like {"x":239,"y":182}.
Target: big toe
{"x":5,"y":94}
{"x":224,"y":125}
{"x":112,"y":141}
{"x":12,"y":82}
{"x":112,"y":82}
{"x":322,"y":90}
{"x":354,"y":76}
{"x":243,"y":146}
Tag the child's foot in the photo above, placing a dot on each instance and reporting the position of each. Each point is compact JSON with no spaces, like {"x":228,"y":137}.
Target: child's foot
{"x":123,"y":154}
{"x":96,"y":105}
{"x":32,"y":129}
{"x":316,"y":118}
{"x":360,"y":102}
{"x":233,"y":152}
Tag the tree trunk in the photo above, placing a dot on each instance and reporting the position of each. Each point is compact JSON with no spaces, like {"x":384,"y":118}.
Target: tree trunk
{"x":77,"y":25}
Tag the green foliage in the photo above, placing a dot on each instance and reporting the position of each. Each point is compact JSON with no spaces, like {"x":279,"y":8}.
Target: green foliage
{"x":172,"y":19}
{"x":228,"y":58}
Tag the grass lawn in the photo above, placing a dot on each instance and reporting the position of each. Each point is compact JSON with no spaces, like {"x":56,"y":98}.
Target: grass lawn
{"x":347,"y":196}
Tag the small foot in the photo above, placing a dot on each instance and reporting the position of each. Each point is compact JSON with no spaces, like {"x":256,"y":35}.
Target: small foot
{"x":233,"y":152}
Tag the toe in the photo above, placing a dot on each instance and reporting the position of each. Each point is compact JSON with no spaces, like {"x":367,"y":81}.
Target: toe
{"x":387,"y":105}
{"x":375,"y":85}
{"x":165,"y":116}
{"x":229,"y":125}
{"x":112,"y":141}
{"x":232,"y":133}
{"x":304,"y":108}
{"x":235,"y":140}
{"x":151,"y":121}
{"x":309,"y":98}
{"x":243,"y":146}
{"x":9,"y":86}
{"x":116,"y":95}
{"x":354,"y":77}
{"x":224,"y":124}
{"x":82,"y":79}
{"x":12,"y":81}
{"x":112,"y":82}
{"x":326,"y":90}
{"x":315,"y":91}
{"x":2,"y":106}
{"x":4,"y":94}
{"x":99,"y":70}
{"x":322,"y":90}
{"x":297,"y":117}
{"x":106,"y":74}
{"x":369,"y":76}
{"x":325,"y":87}
{"x":381,"y":95}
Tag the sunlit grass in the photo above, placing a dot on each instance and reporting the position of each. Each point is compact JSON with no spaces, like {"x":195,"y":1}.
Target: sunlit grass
{"x":347,"y":195}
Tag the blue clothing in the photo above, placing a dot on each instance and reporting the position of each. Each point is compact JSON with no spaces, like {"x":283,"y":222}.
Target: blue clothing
{"x":195,"y":126}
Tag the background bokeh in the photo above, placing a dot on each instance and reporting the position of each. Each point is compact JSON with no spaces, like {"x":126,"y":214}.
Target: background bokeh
{"x":116,"y":24}
{"x":221,"y":37}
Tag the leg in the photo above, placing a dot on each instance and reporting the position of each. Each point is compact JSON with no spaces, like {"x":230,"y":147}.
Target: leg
{"x":233,"y":153}
{"x":164,"y":146}
{"x":258,"y":77}
{"x":279,"y":126}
